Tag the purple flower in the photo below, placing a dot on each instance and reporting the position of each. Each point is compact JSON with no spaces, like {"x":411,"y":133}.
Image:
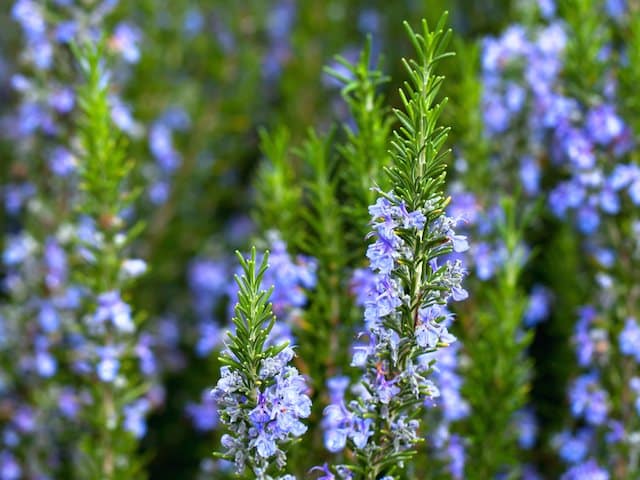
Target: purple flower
{"x":622,"y":176}
{"x":589,"y":400}
{"x":616,"y":8}
{"x":62,"y":100}
{"x":579,"y":149}
{"x":159,"y":192}
{"x":527,"y":429}
{"x":193,"y":21}
{"x":123,"y":118}
{"x":30,"y":17}
{"x":588,"y":219}
{"x":48,"y":317}
{"x":62,"y":162}
{"x":465,"y":207}
{"x":133,"y":267}
{"x":326,"y":473}
{"x":629,"y":339}
{"x":515,"y":97}
{"x":496,"y":115}
{"x":209,"y":337}
{"x":588,"y":470}
{"x":112,"y":308}
{"x":9,"y":467}
{"x":386,"y":389}
{"x":282,"y":402}
{"x":134,"y":417}
{"x":337,"y":387}
{"x":603,"y":124}
{"x":66,"y":31}
{"x":161,"y":145}
{"x":69,"y":403}
{"x":530,"y":175}
{"x":485,"y":261}
{"x":585,"y":345}
{"x":573,"y":449}
{"x":46,"y":364}
{"x":125,"y":40}
{"x":538,"y":307}
{"x":362,"y":285}
{"x":457,"y":457}
{"x":547,"y":8}
{"x":634,"y":192}
{"x":609,"y":201}
{"x":108,"y":363}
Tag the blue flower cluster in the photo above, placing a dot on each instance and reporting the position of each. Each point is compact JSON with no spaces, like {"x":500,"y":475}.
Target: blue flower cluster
{"x":587,"y":141}
{"x":389,"y":379}
{"x":450,"y":407}
{"x":66,"y":343}
{"x":168,"y":158}
{"x":523,"y":82}
{"x":262,"y":421}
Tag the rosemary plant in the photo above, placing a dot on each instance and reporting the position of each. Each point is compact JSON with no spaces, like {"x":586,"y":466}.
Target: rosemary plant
{"x":405,"y":312}
{"x":261,"y":398}
{"x":106,"y":339}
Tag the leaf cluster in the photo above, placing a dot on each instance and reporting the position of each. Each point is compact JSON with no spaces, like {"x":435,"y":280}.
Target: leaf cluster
{"x":584,"y":66}
{"x":498,"y":381}
{"x":104,"y":166}
{"x":365,"y":148}
{"x":253,"y":321}
{"x":417,"y":172}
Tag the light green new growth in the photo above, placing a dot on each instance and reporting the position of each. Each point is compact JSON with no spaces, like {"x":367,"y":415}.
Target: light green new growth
{"x":253,"y":320}
{"x":418,"y":169}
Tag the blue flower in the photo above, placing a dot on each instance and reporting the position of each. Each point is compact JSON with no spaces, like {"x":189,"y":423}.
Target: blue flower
{"x":603,"y":124}
{"x":573,"y":449}
{"x":134,"y":417}
{"x":326,"y":473}
{"x":547,"y":8}
{"x":9,"y":466}
{"x":108,"y":362}
{"x":589,"y":400}
{"x":527,"y":429}
{"x":538,"y":306}
{"x":112,"y":308}
{"x":61,"y":162}
{"x":259,"y":433}
{"x":125,"y":41}
{"x":588,"y":470}
{"x":204,"y":415}
{"x":629,"y":339}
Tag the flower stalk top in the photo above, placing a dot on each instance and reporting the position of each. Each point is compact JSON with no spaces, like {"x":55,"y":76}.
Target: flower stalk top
{"x":261,"y":398}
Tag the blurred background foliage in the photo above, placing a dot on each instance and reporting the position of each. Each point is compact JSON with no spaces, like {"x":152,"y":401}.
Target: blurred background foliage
{"x":232,"y":68}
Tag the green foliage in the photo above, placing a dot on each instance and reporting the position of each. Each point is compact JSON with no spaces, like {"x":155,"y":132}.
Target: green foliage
{"x":630,"y":72}
{"x":104,"y":166}
{"x":253,"y":321}
{"x":589,"y":35}
{"x":497,"y":378}
{"x":559,"y":264}
{"x":279,"y":194}
{"x":317,"y":199}
{"x":466,"y":111}
{"x":365,"y":149}
{"x":418,"y":168}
